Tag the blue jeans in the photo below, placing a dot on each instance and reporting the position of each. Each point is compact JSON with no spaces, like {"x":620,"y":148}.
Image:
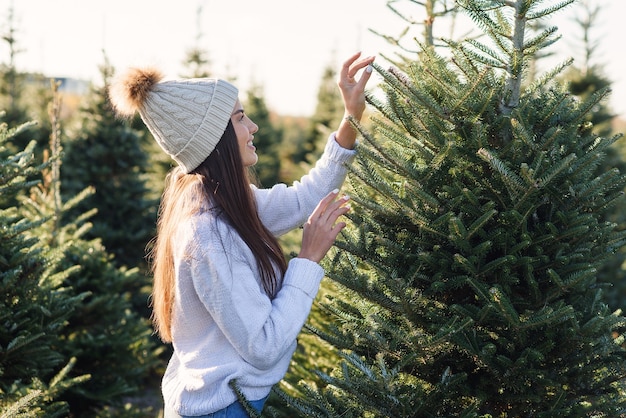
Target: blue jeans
{"x":234,"y":410}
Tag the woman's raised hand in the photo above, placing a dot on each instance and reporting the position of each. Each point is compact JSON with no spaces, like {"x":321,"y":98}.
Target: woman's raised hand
{"x":353,"y":90}
{"x":322,"y":228}
{"x":353,"y":95}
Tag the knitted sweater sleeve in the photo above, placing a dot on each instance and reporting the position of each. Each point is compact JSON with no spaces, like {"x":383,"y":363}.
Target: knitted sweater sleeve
{"x":283,"y":208}
{"x":262,"y":331}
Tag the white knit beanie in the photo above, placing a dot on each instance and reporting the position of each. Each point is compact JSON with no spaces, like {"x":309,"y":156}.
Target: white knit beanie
{"x":186,"y":117}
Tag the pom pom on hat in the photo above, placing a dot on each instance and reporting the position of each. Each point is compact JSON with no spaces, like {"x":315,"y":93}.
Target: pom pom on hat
{"x":187,"y":117}
{"x":130,"y":90}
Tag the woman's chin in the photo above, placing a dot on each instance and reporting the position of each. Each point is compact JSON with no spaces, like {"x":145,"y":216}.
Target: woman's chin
{"x":251,"y":160}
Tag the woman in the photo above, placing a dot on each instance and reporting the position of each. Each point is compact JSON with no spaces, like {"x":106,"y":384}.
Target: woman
{"x":223,"y":293}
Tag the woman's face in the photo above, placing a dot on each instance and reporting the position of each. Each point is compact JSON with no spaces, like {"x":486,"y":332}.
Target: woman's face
{"x":245,"y":129}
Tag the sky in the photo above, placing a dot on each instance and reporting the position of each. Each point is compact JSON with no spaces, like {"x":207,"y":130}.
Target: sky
{"x":281,"y":45}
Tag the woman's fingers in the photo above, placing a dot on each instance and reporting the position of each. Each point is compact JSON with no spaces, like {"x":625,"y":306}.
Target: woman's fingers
{"x":326,"y":200}
{"x":332,"y":209}
{"x":351,"y":66}
{"x":353,"y":91}
{"x":322,"y":228}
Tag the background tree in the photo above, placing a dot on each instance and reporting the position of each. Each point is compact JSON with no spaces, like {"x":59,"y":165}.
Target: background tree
{"x":328,"y":113}
{"x":586,"y":77}
{"x":268,"y":139}
{"x":22,"y":96}
{"x":107,"y":154}
{"x":470,"y":267}
{"x":584,"y":80}
{"x":109,"y":339}
{"x":292,"y":129}
{"x":12,"y":79}
{"x":34,"y":304}
{"x":196,"y":59}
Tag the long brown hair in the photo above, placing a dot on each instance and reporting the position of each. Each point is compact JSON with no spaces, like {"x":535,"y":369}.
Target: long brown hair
{"x":223,"y":182}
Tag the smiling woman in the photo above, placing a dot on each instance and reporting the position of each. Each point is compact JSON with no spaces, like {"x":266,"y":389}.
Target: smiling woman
{"x":224,"y":294}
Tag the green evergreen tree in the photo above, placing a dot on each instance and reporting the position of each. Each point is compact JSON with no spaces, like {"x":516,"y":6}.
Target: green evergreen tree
{"x":21,"y":95}
{"x":11,"y":79}
{"x":107,"y":154}
{"x":34,"y":303}
{"x":470,"y":266}
{"x":196,"y":59}
{"x":268,"y":139}
{"x":328,"y":113}
{"x":109,"y":339}
{"x":293,"y":130}
{"x":586,"y":76}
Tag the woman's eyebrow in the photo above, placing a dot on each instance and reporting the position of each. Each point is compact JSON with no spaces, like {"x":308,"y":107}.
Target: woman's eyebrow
{"x":236,"y":112}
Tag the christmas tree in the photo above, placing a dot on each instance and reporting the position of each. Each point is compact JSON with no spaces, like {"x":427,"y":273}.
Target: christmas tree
{"x":107,"y":155}
{"x":478,"y":227}
{"x":106,"y":335}
{"x":34,"y":304}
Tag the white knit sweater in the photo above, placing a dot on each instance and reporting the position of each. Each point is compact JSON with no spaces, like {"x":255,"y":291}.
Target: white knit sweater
{"x":224,"y":325}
